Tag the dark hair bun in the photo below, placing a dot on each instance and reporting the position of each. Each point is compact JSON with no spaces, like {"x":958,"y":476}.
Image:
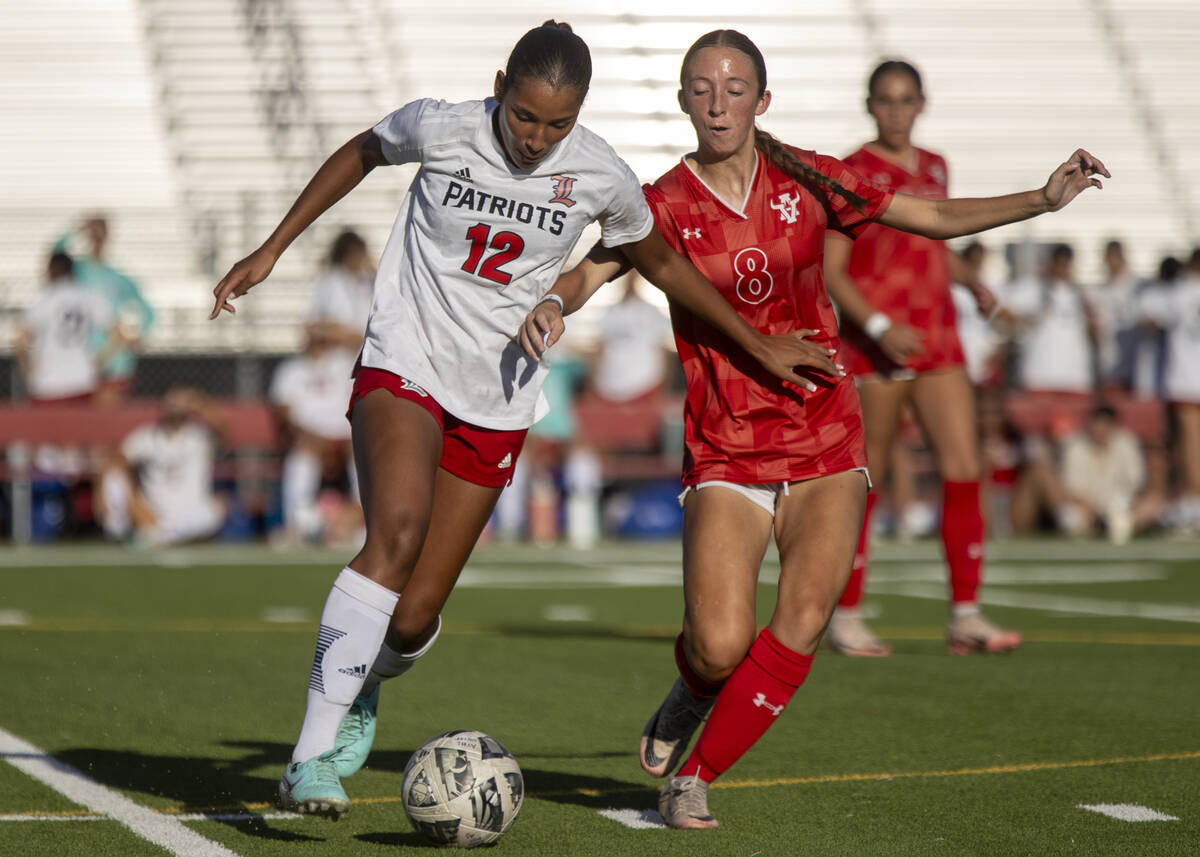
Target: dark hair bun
{"x":562,"y":25}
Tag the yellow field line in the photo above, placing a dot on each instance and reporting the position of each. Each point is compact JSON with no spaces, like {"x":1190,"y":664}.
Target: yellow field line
{"x":1024,"y":767}
{"x":231,"y":626}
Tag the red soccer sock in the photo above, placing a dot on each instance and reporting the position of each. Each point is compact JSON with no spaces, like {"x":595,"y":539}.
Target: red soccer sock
{"x":698,"y":686}
{"x":853,"y":593}
{"x":751,"y":700}
{"x":962,"y":539}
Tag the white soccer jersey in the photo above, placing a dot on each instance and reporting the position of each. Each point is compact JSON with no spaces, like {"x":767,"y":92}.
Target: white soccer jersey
{"x":1055,"y":349}
{"x":341,"y":297}
{"x":633,"y":337}
{"x":315,"y":391}
{"x":1183,"y":340}
{"x":476,"y":243}
{"x":175,"y":467}
{"x":65,"y":322}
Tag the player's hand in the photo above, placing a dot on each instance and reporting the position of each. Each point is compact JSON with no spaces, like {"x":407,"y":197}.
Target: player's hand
{"x":985,"y":300}
{"x":241,"y":278}
{"x":1072,"y":177}
{"x":541,"y":329}
{"x":899,"y":342}
{"x":782,"y":354}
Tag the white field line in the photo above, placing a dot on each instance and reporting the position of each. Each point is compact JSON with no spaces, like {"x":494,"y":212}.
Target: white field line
{"x":1128,"y":812}
{"x":179,"y":816}
{"x":1052,"y":603}
{"x":518,"y":557}
{"x":638,"y":819}
{"x":162,"y":830}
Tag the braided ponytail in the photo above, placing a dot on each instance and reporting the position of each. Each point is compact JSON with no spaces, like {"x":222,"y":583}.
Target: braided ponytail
{"x":807,"y":175}
{"x":777,"y":153}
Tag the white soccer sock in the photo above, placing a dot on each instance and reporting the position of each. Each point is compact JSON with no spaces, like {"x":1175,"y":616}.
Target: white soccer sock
{"x":117,"y":494}
{"x":301,"y":480}
{"x":356,"y":617}
{"x":389,"y":663}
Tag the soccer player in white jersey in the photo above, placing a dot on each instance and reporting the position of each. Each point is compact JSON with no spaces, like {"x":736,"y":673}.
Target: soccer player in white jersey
{"x":54,"y":342}
{"x":444,"y":395}
{"x":310,"y":390}
{"x":161,"y":485}
{"x":341,"y":300}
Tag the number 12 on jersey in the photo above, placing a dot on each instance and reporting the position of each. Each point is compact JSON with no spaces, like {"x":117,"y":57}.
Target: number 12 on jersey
{"x":508,"y":246}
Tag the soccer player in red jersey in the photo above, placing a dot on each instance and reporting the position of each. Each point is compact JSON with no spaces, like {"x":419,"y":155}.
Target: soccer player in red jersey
{"x":763,"y":458}
{"x":900,"y":342}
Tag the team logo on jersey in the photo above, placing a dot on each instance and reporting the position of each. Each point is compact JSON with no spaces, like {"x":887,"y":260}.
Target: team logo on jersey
{"x":562,"y":189}
{"x":409,"y":385}
{"x":691,"y":233}
{"x":788,"y":206}
{"x":938,"y":173}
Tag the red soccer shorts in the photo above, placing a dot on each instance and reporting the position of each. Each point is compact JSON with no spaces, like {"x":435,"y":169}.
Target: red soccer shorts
{"x":480,"y":455}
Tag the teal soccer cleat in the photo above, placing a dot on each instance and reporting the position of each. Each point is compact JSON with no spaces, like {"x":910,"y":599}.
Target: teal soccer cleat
{"x":313,"y":788}
{"x":356,"y":733}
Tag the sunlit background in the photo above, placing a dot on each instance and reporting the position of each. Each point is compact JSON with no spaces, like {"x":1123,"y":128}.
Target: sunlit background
{"x":193,"y":123}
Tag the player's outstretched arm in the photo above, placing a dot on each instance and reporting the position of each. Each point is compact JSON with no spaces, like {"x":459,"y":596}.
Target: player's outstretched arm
{"x":897,"y":341}
{"x":950,"y":218}
{"x":339,"y":175}
{"x":681,"y":282}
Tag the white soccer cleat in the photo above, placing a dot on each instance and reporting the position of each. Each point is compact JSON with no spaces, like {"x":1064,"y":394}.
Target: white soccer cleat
{"x":971,"y":632}
{"x":683,"y":804}
{"x":849,"y":635}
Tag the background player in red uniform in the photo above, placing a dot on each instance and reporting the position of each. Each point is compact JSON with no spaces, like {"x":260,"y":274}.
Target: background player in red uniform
{"x":900,"y":342}
{"x":762,"y":458}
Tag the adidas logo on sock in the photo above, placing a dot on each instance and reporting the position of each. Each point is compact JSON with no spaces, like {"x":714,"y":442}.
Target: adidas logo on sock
{"x":464,"y":174}
{"x":359,"y":671}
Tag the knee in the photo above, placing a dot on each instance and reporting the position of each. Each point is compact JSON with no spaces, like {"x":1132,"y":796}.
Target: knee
{"x":715,"y":653}
{"x":394,"y":541}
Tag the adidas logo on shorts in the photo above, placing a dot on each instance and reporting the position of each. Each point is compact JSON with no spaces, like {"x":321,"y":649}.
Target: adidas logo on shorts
{"x":506,"y":461}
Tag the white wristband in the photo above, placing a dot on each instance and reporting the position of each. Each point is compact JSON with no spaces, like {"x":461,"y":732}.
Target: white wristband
{"x":876,"y":325}
{"x":553,"y":298}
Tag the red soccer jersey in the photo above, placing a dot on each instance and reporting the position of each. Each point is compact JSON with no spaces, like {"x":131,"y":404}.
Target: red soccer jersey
{"x":742,"y":424}
{"x":905,"y":276}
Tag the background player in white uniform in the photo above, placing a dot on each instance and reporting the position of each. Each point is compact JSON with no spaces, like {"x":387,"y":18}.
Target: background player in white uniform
{"x":636,"y":347}
{"x":444,"y":395}
{"x":54,"y":343}
{"x":311,"y":390}
{"x":341,"y":300}
{"x":161,"y":485}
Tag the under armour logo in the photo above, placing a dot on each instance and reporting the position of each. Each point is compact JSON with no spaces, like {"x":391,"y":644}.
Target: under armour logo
{"x":975,"y":550}
{"x":761,"y":701}
{"x":788,"y":206}
{"x":562,"y":189}
{"x":691,"y":233}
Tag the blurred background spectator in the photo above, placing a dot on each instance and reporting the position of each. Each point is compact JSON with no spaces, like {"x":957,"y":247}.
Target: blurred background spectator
{"x":159,"y":489}
{"x":131,"y":313}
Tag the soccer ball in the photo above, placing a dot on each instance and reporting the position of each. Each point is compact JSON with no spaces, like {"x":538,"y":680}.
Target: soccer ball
{"x":462,"y":788}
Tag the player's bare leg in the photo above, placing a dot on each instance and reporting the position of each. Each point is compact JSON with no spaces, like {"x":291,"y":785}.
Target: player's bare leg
{"x":397,"y":446}
{"x":725,"y":537}
{"x":724,"y":540}
{"x":883,"y":404}
{"x":944,"y":405}
{"x":1187,"y":461}
{"x":460,"y":512}
{"x":816,"y":528}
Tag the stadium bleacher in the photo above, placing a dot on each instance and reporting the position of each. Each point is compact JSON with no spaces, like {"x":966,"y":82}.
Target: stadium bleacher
{"x":195,"y":122}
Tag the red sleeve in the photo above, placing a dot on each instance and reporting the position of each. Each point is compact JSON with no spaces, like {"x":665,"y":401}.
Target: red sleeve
{"x":657,"y":200}
{"x":850,"y":221}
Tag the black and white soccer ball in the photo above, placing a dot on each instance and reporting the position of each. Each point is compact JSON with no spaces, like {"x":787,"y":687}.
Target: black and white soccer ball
{"x":462,"y":788}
